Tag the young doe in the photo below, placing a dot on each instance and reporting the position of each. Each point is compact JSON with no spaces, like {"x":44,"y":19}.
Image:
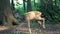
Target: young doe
{"x":34,"y":15}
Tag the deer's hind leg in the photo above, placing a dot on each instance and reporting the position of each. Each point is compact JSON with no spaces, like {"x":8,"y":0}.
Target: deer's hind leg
{"x":41,"y":23}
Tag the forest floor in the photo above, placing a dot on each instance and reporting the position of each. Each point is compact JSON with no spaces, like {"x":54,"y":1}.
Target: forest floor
{"x":50,"y":29}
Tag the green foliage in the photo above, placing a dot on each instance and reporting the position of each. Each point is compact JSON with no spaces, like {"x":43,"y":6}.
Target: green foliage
{"x":24,"y":33}
{"x":20,"y":33}
{"x":14,"y":32}
{"x":35,"y":8}
{"x":39,"y":32}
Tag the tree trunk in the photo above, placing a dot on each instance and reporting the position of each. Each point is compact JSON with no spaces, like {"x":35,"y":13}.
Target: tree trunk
{"x":34,"y":2}
{"x":12,"y":5}
{"x":29,"y":8}
{"x":41,"y":2}
{"x":55,"y":2}
{"x":24,"y":4}
{"x":7,"y":16}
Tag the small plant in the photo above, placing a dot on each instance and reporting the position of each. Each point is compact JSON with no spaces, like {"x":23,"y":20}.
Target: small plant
{"x":23,"y":33}
{"x":14,"y":32}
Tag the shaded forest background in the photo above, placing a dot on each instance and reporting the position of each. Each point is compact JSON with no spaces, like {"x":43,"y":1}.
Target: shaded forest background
{"x":49,"y":8}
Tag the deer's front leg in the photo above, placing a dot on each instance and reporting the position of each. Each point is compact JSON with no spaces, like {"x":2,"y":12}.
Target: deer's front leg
{"x":29,"y":26}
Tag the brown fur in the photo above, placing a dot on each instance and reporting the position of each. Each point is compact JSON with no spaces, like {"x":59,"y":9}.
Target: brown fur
{"x":35,"y":15}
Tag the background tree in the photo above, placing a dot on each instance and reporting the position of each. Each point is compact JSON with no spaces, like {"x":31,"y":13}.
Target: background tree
{"x":12,"y":5}
{"x":24,"y":4}
{"x":29,"y":8}
{"x":34,"y":2}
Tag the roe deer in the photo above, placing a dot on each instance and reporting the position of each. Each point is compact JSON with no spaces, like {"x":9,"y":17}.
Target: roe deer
{"x":34,"y":15}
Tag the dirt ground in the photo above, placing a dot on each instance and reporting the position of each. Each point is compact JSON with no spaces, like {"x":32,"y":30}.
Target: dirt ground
{"x":50,"y":29}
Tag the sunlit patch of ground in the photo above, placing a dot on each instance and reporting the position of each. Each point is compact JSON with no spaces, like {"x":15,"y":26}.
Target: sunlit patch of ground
{"x":3,"y":28}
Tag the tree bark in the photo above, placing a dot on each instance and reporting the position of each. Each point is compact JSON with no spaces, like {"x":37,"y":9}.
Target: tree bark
{"x":29,"y":8}
{"x":7,"y":15}
{"x":24,"y":4}
{"x":12,"y":5}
